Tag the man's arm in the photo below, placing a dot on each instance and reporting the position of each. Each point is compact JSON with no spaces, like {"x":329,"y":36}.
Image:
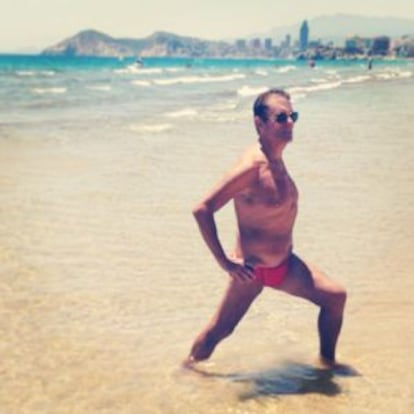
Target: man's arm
{"x":233,"y":183}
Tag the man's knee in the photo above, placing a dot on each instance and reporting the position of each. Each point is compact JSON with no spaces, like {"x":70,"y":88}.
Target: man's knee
{"x":335,"y":299}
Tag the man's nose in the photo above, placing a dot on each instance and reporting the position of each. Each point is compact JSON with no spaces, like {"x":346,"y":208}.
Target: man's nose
{"x":289,"y":121}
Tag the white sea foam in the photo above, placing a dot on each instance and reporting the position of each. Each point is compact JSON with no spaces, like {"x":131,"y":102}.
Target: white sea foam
{"x":35,"y":73}
{"x":261,"y":72}
{"x":49,"y":90}
{"x":321,"y":87}
{"x":357,"y":79}
{"x":149,"y":71}
{"x":406,"y":74}
{"x":286,"y":69}
{"x":25,"y":73}
{"x":141,"y":82}
{"x":152,"y":128}
{"x":394,"y":74}
{"x":103,"y":88}
{"x":387,"y":75}
{"x":229,"y":105}
{"x":298,"y":96}
{"x":174,"y":70}
{"x":246,"y":90}
{"x":319,"y":80}
{"x":331,"y":72}
{"x":183,"y":113}
{"x":134,"y":69}
{"x":198,"y":79}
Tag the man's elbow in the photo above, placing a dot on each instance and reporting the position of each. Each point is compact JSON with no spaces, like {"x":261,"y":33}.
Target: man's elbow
{"x":200,"y":210}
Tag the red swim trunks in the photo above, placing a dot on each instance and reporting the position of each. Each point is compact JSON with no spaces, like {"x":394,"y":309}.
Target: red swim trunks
{"x":272,"y":276}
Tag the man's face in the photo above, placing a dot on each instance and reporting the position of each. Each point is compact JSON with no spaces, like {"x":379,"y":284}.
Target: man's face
{"x":272,"y":130}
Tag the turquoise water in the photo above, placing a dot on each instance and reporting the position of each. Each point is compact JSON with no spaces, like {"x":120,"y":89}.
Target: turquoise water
{"x":50,"y":89}
{"x":105,"y":280}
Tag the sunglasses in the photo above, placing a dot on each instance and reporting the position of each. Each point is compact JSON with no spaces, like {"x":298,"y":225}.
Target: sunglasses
{"x":283,"y":117}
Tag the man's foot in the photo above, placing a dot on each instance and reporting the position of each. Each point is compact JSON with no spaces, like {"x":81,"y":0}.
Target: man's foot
{"x":337,"y":368}
{"x":189,"y":363}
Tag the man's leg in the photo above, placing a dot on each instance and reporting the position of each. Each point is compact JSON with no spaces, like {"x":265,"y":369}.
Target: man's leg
{"x":309,"y":283}
{"x":234,"y":305}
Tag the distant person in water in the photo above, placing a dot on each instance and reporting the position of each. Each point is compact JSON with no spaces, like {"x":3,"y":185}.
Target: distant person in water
{"x":265,"y":199}
{"x":370,"y":63}
{"x":311,"y":63}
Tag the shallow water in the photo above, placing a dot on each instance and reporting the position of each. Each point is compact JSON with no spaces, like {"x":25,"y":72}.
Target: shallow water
{"x":105,"y":280}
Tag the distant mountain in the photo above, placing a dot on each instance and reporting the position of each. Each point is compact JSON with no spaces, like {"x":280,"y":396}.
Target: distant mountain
{"x":94,"y":43}
{"x":336,"y":28}
{"x":326,"y":28}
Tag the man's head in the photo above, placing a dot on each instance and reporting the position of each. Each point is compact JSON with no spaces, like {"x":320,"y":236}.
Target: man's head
{"x":273,"y":116}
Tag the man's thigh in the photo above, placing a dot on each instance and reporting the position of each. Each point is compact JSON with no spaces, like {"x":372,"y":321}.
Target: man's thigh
{"x":307,"y":281}
{"x":236,"y":301}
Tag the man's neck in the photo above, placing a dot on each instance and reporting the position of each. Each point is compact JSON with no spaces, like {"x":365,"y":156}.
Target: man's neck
{"x":273,"y":153}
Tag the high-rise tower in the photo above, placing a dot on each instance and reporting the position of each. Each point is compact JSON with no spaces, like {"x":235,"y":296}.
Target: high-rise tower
{"x":304,"y":35}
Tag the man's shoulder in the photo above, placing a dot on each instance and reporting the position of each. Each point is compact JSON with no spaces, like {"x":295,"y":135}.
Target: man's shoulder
{"x":252,"y":157}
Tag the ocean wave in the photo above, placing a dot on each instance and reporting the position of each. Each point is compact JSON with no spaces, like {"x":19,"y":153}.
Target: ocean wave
{"x":183,"y":113}
{"x":104,"y":88}
{"x":229,"y":105}
{"x":49,"y":90}
{"x":332,"y":72}
{"x":173,"y":70}
{"x":134,"y":69}
{"x":141,"y":82}
{"x":394,"y":74}
{"x":286,"y":69}
{"x":152,"y":128}
{"x":357,"y":79}
{"x":149,"y":71}
{"x":25,"y":73}
{"x":35,"y":73}
{"x":321,"y":87}
{"x":261,"y":72}
{"x":298,"y":96}
{"x":246,"y":90}
{"x":198,"y":79}
{"x":319,"y":80}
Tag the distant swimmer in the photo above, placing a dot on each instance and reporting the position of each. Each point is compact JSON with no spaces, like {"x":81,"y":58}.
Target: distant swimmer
{"x":311,"y":63}
{"x":370,"y":63}
{"x":139,"y":61}
{"x":266,"y":202}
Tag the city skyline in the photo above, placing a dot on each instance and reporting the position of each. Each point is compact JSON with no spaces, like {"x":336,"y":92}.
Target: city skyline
{"x":50,"y":21}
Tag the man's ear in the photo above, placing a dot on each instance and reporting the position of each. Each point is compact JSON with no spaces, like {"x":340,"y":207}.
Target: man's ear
{"x":258,"y":122}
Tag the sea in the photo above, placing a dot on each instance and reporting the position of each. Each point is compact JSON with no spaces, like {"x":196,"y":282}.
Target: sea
{"x":105,"y":280}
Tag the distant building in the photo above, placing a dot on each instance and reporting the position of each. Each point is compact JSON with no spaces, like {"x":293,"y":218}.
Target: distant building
{"x":304,"y":35}
{"x":381,"y":45}
{"x":404,"y":46}
{"x":357,"y":44}
{"x":287,"y":40}
{"x":256,"y":43}
{"x":241,"y":44}
{"x":268,"y":43}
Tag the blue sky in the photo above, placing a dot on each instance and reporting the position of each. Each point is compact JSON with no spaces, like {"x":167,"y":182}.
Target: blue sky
{"x":36,"y":24}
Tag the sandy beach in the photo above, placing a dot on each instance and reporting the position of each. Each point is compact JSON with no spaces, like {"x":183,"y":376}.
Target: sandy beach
{"x":105,"y":280}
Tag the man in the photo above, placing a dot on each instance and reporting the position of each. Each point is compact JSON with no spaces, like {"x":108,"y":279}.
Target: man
{"x":265,"y":199}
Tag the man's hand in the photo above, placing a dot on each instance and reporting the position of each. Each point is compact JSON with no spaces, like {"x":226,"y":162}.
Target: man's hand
{"x":239,"y":271}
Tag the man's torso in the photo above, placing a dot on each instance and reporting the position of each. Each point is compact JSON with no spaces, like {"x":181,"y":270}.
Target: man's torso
{"x":266,"y":213}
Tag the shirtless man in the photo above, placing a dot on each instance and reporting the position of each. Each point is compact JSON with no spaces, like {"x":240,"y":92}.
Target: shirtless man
{"x":265,"y":199}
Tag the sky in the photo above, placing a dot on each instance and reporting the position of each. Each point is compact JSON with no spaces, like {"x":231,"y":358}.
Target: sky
{"x":32,"y":25}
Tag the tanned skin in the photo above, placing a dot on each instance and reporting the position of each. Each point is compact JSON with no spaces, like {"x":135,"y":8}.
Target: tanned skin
{"x":266,"y":202}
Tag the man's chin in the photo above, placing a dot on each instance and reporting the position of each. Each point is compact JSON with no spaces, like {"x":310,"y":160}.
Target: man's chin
{"x":287,"y":138}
